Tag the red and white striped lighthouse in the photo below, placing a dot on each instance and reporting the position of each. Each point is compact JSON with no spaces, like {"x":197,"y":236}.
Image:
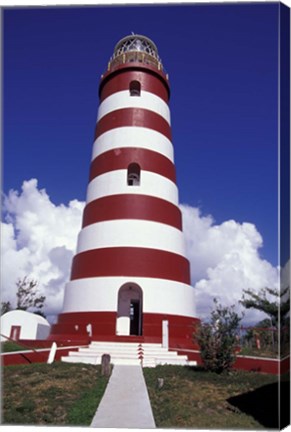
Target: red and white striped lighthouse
{"x":130,"y":272}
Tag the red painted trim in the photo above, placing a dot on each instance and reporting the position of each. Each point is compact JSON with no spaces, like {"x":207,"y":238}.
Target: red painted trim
{"x":131,"y":261}
{"x":133,"y":117}
{"x":16,"y":357}
{"x":262,"y":365}
{"x":151,"y":80}
{"x":181,"y":328}
{"x":257,"y":364}
{"x":132,"y":207}
{"x":148,"y":160}
{"x":252,"y":364}
{"x":73,"y":325}
{"x":104,"y":328}
{"x":47,"y":343}
{"x":285,"y":365}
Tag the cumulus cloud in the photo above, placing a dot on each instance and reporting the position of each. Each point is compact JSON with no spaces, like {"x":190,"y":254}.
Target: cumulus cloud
{"x":225,"y":260}
{"x":39,"y":240}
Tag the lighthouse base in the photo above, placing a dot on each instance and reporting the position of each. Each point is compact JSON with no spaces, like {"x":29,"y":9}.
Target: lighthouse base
{"x":103,"y":326}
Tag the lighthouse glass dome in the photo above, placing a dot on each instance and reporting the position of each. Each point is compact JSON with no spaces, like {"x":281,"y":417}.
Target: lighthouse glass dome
{"x":135,"y":48}
{"x":136,"y":43}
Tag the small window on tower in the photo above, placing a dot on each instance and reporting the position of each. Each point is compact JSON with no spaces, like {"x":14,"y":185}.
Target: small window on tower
{"x":134,"y":88}
{"x":133,"y":174}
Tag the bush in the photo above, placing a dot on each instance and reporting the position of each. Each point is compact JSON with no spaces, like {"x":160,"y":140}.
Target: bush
{"x":218,"y":339}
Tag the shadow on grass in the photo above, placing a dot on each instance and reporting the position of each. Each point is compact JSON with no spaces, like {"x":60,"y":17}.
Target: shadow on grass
{"x":196,"y":368}
{"x":263,"y":404}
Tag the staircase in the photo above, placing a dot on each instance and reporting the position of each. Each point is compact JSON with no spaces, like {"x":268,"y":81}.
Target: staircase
{"x":128,"y":353}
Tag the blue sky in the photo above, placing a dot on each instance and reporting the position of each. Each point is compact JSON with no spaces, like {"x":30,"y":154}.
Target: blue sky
{"x":222,"y":63}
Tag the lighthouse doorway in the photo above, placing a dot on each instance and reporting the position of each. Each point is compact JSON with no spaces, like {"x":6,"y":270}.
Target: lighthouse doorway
{"x":129,"y":310}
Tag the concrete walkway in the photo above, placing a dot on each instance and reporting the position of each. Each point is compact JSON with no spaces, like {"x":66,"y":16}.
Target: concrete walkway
{"x":125,"y":403}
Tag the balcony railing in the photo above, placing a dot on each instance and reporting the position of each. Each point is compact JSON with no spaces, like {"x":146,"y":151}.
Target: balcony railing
{"x":135,"y":57}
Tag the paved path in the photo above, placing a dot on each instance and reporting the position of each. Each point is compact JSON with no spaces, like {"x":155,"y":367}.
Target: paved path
{"x":125,"y":403}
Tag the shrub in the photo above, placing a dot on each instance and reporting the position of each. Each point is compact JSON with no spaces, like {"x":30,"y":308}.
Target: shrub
{"x":218,"y":338}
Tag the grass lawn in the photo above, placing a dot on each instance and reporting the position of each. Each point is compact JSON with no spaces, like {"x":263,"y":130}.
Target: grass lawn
{"x":258,"y":352}
{"x":56,"y":394}
{"x":10,"y":346}
{"x":193,"y":398}
{"x":69,"y":394}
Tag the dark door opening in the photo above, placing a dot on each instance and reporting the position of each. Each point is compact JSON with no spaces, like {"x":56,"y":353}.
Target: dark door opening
{"x":135,"y":318}
{"x":15,"y":332}
{"x":129,"y":310}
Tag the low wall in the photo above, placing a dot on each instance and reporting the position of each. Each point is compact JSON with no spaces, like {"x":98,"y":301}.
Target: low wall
{"x":40,"y":355}
{"x":35,"y":356}
{"x":248,"y":363}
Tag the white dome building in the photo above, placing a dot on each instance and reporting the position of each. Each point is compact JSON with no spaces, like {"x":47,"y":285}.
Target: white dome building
{"x":19,"y":324}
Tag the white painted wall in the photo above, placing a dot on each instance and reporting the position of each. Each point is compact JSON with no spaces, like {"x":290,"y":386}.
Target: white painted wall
{"x":101,"y":294}
{"x":131,"y":233}
{"x":115,"y":182}
{"x":146,"y":100}
{"x":133,"y":136}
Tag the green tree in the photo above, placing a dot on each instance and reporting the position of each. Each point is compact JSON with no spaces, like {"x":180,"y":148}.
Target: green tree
{"x":266,"y":333}
{"x":5,"y":307}
{"x":28,"y":296}
{"x":218,"y":339}
{"x":273,"y":303}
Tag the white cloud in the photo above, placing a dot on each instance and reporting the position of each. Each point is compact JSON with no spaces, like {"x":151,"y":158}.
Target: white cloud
{"x":225,"y":260}
{"x":39,"y":240}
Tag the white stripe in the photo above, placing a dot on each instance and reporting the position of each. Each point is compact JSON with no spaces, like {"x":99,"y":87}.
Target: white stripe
{"x":131,"y":233}
{"x":123,"y":99}
{"x":101,"y":294}
{"x":131,"y":136}
{"x":115,"y":183}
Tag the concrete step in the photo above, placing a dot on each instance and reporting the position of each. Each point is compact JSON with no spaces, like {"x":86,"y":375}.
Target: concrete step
{"x":86,"y":360}
{"x":124,"y":361}
{"x":108,"y":351}
{"x":161,"y":352}
{"x":110,"y":348}
{"x":113,"y":357}
{"x":176,"y":362}
{"x":114,"y":344}
{"x":131,"y":353}
{"x":165,"y":355}
{"x":97,"y":360}
{"x":150,"y":364}
{"x":125,"y":343}
{"x":153,"y":362}
{"x":125,"y":353}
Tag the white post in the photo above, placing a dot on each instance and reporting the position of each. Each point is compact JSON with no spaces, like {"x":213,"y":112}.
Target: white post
{"x":89,"y":330}
{"x":52,"y":353}
{"x":165,"y":333}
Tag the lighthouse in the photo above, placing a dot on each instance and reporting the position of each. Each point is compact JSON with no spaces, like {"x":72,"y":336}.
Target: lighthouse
{"x":130,"y":277}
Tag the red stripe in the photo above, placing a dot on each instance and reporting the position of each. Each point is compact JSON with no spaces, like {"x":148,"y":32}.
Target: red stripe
{"x":131,"y":261}
{"x":133,"y":117}
{"x":103,"y":324}
{"x":125,"y":206}
{"x":120,"y":159}
{"x":120,"y":80}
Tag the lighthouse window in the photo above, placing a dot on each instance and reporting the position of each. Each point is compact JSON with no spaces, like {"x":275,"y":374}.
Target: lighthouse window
{"x":134,"y":88}
{"x":133,"y":174}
